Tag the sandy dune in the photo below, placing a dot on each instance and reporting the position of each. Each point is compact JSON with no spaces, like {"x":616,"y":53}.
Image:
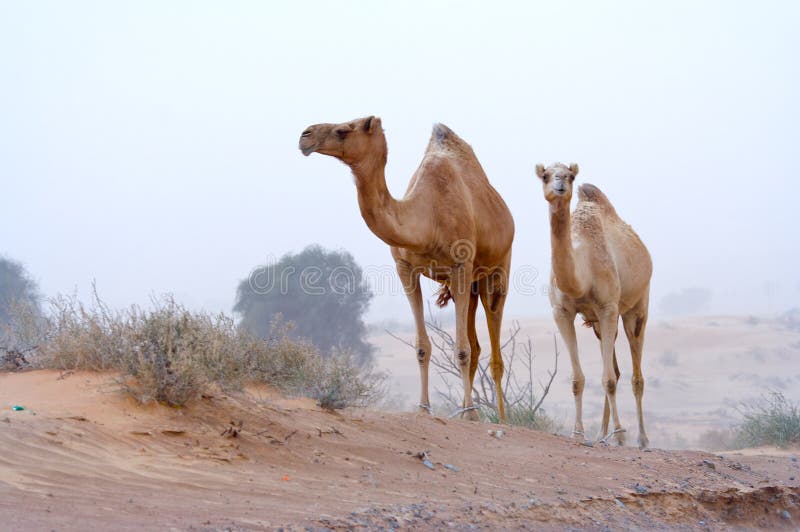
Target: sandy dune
{"x":83,"y":456}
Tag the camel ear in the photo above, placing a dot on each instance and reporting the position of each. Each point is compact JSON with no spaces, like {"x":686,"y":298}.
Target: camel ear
{"x":372,"y":124}
{"x":540,"y":171}
{"x":574,"y":168}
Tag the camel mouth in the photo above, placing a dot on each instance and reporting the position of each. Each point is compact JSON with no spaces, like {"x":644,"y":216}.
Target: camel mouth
{"x":306,"y":150}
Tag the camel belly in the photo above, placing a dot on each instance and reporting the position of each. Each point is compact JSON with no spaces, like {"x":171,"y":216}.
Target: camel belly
{"x":587,"y":309}
{"x":439,"y":269}
{"x":587,"y":306}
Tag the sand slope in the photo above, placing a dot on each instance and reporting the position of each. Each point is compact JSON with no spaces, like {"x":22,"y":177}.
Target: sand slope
{"x":84,"y":456}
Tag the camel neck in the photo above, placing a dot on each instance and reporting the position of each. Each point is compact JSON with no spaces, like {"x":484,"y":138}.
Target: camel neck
{"x":563,"y":254}
{"x":379,"y":209}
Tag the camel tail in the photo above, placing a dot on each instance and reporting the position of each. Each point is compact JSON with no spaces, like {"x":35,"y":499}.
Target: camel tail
{"x":444,"y":296}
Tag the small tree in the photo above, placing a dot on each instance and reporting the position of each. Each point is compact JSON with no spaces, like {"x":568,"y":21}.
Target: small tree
{"x":16,"y":288}
{"x":322,"y":292}
{"x":21,"y":321}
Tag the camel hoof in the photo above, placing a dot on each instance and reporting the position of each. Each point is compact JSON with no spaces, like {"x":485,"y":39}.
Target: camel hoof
{"x":617,"y":435}
{"x":644,"y":443}
{"x":579,"y":436}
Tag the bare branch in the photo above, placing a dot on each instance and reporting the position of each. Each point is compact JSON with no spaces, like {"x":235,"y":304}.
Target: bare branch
{"x":546,"y":389}
{"x":393,"y":335}
{"x":517,"y":387}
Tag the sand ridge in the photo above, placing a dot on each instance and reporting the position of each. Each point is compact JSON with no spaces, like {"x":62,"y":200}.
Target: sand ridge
{"x":83,"y":455}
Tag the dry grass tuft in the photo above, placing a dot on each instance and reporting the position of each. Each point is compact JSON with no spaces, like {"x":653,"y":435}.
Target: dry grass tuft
{"x":171,"y":354}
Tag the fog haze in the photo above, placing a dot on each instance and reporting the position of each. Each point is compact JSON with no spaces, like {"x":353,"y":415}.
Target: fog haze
{"x":152,"y":146}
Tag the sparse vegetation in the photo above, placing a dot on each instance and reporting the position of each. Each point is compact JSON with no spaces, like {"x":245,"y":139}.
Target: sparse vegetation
{"x":523,"y":404}
{"x":171,"y":355}
{"x":771,"y":420}
{"x":342,"y":383}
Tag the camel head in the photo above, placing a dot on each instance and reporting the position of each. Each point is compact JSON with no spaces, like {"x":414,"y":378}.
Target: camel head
{"x":351,"y":142}
{"x":557,"y":181}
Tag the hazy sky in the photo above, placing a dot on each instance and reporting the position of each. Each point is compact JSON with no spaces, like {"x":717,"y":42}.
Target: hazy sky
{"x":152,"y":146}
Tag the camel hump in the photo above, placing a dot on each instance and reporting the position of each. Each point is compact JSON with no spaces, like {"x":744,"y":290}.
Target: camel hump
{"x":592,"y":194}
{"x":442,"y":133}
{"x":445,"y":137}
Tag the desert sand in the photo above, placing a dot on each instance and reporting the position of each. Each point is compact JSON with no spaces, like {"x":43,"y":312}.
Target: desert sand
{"x":84,"y":456}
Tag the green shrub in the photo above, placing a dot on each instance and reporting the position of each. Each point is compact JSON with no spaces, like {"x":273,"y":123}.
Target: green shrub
{"x":772,"y":420}
{"x":524,"y":416}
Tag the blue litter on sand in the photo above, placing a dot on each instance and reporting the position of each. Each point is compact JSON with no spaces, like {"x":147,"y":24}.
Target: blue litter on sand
{"x":17,"y":408}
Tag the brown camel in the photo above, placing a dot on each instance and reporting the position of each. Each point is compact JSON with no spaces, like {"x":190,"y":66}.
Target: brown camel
{"x":601,"y":269}
{"x":450,"y":226}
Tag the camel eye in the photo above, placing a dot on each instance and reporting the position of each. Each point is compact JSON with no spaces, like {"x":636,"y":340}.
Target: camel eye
{"x":342,"y":133}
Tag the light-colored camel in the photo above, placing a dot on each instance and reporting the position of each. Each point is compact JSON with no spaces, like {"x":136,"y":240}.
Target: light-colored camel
{"x":451,"y":226}
{"x":600,"y":269}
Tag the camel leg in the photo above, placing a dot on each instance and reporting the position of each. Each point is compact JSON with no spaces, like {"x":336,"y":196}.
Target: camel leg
{"x":634,"y":323}
{"x":474,"y":346}
{"x":609,"y":317}
{"x":565,"y":321}
{"x":493,"y":297}
{"x":461,"y":289}
{"x":606,"y":409}
{"x":410,"y":280}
